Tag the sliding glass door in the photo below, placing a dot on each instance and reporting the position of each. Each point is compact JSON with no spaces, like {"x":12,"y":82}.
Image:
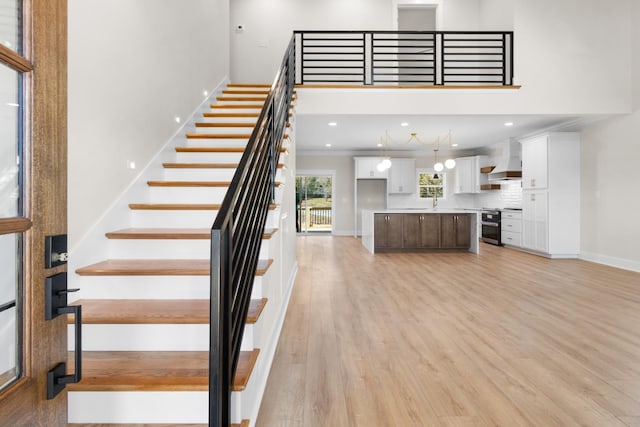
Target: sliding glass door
{"x":314,"y":203}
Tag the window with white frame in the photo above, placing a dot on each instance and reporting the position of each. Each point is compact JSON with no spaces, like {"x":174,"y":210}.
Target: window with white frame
{"x":431,"y":183}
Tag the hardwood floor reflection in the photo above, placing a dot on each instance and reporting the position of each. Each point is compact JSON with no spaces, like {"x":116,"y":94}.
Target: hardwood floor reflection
{"x":503,"y":338}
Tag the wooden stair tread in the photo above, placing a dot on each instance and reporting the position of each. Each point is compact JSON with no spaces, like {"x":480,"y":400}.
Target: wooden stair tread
{"x":188,"y":183}
{"x":157,"y":267}
{"x":171,"y":233}
{"x":154,"y":311}
{"x":246,"y":92}
{"x":249,"y":85}
{"x":228,"y":115}
{"x":154,"y":370}
{"x":238,"y":106}
{"x":179,"y":206}
{"x":218,"y":135}
{"x":174,"y":206}
{"x":214,"y":149}
{"x":206,"y":165}
{"x":241,"y":98}
{"x":224,"y":125}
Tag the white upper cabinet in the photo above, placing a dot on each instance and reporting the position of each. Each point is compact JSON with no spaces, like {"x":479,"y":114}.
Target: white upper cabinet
{"x":535,"y":163}
{"x":468,"y":176}
{"x":402,"y":176}
{"x":465,"y":175}
{"x":367,"y":168}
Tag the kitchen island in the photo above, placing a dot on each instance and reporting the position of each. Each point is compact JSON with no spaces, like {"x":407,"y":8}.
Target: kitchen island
{"x":420,"y":230}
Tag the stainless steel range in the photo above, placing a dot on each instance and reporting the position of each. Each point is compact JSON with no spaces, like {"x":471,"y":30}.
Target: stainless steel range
{"x":491,"y":228}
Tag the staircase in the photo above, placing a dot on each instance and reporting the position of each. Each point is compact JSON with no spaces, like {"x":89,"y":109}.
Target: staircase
{"x":146,"y":302}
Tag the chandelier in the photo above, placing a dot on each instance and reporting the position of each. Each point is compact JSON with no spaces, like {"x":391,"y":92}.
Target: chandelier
{"x":438,"y":166}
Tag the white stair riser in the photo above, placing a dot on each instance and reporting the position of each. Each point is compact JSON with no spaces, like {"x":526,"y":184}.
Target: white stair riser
{"x":168,"y":248}
{"x":138,"y":407}
{"x":187,"y":194}
{"x":222,"y":130}
{"x":150,"y":287}
{"x":208,"y":157}
{"x":199,"y":174}
{"x":203,"y":119}
{"x":162,"y":407}
{"x":160,"y":248}
{"x":184,"y":218}
{"x":205,"y":174}
{"x":229,"y":109}
{"x":215,"y":142}
{"x":149,"y":337}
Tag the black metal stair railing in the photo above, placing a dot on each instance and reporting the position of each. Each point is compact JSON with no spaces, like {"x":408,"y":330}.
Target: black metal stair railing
{"x":236,"y":236}
{"x":405,"y":57}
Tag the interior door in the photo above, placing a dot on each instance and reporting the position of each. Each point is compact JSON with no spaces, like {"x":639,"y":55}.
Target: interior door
{"x":33,"y":93}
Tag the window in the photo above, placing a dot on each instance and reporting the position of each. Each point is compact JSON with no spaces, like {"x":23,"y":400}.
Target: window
{"x":431,"y":184}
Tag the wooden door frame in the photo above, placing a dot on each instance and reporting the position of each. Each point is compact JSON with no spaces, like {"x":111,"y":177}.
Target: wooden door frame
{"x":45,"y":202}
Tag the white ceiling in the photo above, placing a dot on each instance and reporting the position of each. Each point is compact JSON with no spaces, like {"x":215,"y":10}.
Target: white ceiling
{"x":364,"y":132}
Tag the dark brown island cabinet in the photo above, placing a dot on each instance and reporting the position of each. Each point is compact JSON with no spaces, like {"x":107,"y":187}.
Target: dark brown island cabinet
{"x":421,"y":232}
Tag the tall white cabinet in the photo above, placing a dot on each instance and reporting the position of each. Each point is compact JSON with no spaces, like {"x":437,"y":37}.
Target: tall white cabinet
{"x":551,"y":194}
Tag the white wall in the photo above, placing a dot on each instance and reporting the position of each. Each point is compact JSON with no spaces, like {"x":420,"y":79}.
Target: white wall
{"x":496,"y":15}
{"x":133,"y":67}
{"x":635,"y":49}
{"x":573,"y":55}
{"x":268,"y":25}
{"x":610,"y":154}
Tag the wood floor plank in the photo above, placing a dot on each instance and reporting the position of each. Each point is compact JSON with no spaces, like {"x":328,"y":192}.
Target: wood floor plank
{"x":503,"y":338}
{"x":154,"y":312}
{"x":154,"y":370}
{"x":157,"y":267}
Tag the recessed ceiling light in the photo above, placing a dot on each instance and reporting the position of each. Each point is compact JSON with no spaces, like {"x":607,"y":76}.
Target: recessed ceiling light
{"x":332,"y":124}
{"x":379,"y":145}
{"x":507,"y":124}
{"x":327,"y":145}
{"x":404,"y":124}
{"x":454,"y":145}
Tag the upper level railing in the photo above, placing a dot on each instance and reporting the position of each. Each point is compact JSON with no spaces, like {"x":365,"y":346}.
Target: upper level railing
{"x":405,"y":57}
{"x":236,"y":236}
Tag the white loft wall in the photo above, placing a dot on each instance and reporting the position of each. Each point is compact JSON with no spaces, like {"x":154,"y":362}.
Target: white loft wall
{"x":496,"y":15}
{"x":610,"y":153}
{"x":257,"y":51}
{"x":635,"y":48}
{"x":133,"y":67}
{"x":573,"y":56}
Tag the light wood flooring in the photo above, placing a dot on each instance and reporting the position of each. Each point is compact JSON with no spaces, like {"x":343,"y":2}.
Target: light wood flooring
{"x":503,"y":338}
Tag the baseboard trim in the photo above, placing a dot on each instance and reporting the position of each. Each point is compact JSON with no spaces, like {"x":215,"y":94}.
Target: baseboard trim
{"x":625,"y":264}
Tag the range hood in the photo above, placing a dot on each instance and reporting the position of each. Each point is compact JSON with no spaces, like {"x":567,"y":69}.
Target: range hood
{"x":508,"y":165}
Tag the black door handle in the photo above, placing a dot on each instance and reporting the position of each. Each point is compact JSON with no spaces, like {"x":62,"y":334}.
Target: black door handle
{"x":55,"y":305}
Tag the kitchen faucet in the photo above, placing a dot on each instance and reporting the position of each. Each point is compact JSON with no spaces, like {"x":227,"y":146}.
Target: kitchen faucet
{"x":434,"y":200}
